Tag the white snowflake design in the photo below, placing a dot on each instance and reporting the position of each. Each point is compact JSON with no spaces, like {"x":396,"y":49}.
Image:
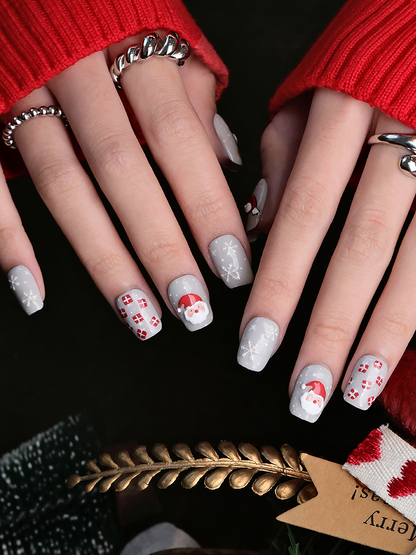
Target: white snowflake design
{"x":270,"y":332}
{"x":13,"y":282}
{"x":230,"y":273}
{"x":230,"y":248}
{"x":250,"y":350}
{"x":30,"y":298}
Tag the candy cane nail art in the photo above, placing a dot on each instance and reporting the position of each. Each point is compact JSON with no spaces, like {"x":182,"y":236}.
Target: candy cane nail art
{"x":139,"y":314}
{"x":365,"y":383}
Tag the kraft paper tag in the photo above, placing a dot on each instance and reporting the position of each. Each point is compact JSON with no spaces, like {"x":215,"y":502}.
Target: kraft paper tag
{"x":350,"y":511}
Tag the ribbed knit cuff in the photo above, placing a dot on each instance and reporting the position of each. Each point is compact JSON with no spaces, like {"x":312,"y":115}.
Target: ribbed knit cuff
{"x":41,"y":38}
{"x":368,"y":52}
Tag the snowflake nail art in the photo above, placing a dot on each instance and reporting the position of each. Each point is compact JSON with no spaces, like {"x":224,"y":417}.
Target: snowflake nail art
{"x":258,"y":343}
{"x":25,"y":288}
{"x":230,"y":260}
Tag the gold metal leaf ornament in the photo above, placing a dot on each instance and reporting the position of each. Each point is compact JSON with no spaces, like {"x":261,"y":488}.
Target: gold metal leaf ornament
{"x":140,"y":468}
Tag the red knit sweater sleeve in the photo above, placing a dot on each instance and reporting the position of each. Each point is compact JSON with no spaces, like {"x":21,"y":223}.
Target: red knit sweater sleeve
{"x":40,"y":38}
{"x":368,"y":52}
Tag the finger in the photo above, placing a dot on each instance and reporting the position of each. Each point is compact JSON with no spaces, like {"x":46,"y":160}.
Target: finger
{"x":74,"y":203}
{"x":380,"y":206}
{"x":183,"y":151}
{"x":279,"y":148}
{"x":200,"y":87}
{"x":101,"y":126}
{"x":389,"y":329}
{"x":17,"y":258}
{"x":336,"y":129}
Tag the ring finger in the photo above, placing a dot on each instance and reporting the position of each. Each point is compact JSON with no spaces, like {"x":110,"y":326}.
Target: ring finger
{"x":365,"y":249}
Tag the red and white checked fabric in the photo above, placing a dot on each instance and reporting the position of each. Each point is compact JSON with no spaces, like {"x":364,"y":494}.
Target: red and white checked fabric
{"x":386,"y":464}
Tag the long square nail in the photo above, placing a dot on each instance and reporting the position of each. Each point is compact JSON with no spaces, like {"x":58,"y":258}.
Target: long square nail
{"x":25,"y":288}
{"x":228,"y":140}
{"x":139,"y":314}
{"x":311,"y":392}
{"x":365,"y":383}
{"x":230,"y":260}
{"x":258,"y":343}
{"x":190,"y":301}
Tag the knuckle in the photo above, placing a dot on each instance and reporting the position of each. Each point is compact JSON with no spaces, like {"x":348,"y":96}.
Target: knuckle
{"x":160,"y":249}
{"x":174,"y":123}
{"x":205,"y":208}
{"x":333,"y":331}
{"x":8,"y":237}
{"x":305,"y":203}
{"x":57,"y":179}
{"x":396,"y":325}
{"x":116,"y":154}
{"x":103,"y":264}
{"x":278,"y":287}
{"x":367,"y":237}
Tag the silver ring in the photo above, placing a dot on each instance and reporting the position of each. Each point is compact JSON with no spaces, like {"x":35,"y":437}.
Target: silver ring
{"x":25,"y":116}
{"x":173,"y":47}
{"x":407,"y":163}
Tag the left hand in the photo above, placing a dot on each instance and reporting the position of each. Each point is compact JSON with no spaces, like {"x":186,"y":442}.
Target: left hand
{"x":308,"y":157}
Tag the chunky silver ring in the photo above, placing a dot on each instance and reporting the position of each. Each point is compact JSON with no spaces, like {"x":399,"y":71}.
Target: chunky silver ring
{"x":25,"y":116}
{"x":172,"y":47}
{"x":407,"y":163}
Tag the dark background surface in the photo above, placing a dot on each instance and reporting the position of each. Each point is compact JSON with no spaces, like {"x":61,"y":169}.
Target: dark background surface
{"x":75,"y":354}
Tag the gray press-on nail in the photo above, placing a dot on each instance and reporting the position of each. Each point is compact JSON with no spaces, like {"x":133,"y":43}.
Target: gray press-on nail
{"x":365,"y":382}
{"x":190,"y":301}
{"x":227,"y":139}
{"x":257,"y":344}
{"x":25,"y":288}
{"x":139,"y":314}
{"x":255,"y":205}
{"x":311,"y":392}
{"x":230,"y":260}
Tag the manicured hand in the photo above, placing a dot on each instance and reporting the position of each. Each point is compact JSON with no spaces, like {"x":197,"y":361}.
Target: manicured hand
{"x":309,"y":152}
{"x":175,"y":107}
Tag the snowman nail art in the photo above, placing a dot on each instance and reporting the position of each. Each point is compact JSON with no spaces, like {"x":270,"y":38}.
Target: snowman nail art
{"x":311,"y":392}
{"x":190,"y":301}
{"x":366,"y":381}
{"x":230,"y":260}
{"x":139,"y":314}
{"x":25,"y":288}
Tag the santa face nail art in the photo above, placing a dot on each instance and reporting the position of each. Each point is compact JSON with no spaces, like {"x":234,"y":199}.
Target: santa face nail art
{"x":230,"y":260}
{"x":139,"y":314}
{"x":228,"y":140}
{"x":258,"y":343}
{"x":254,"y":207}
{"x":25,"y":288}
{"x":190,"y":302}
{"x":366,"y":381}
{"x":311,"y":392}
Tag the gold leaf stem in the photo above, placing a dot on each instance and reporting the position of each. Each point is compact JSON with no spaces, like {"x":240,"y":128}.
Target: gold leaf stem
{"x":201,"y":463}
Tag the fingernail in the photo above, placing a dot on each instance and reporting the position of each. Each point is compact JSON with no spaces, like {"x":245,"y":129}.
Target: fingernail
{"x":227,"y":139}
{"x":230,"y":260}
{"x":25,"y":288}
{"x":190,"y":301}
{"x":257,"y":344}
{"x":311,"y":392}
{"x":139,"y":314}
{"x":255,"y":205}
{"x":364,"y":385}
